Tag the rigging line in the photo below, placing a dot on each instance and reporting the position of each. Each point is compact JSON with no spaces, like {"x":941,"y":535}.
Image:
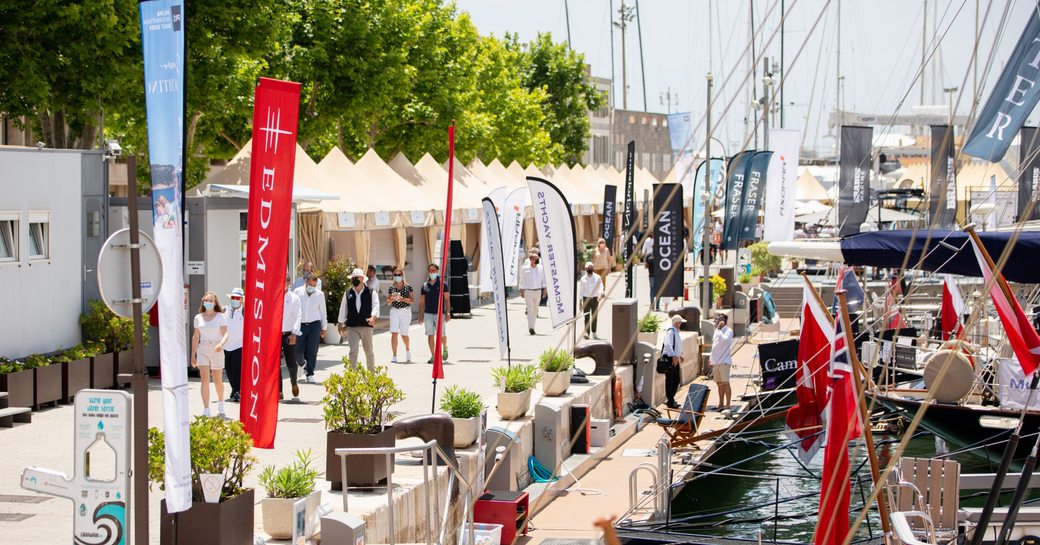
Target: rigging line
{"x":812,"y":91}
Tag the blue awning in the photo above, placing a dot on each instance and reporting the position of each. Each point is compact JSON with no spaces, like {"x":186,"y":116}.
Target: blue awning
{"x":944,"y":251}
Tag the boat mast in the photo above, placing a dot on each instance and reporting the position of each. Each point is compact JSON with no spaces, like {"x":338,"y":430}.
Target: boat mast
{"x":924,"y":48}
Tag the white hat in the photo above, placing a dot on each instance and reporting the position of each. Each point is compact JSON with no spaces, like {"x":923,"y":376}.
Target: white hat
{"x":678,"y":319}
{"x":237,"y":292}
{"x":357,"y":272}
{"x":588,"y":264}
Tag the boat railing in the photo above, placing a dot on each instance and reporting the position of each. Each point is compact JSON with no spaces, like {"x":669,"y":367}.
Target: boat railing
{"x":633,"y":486}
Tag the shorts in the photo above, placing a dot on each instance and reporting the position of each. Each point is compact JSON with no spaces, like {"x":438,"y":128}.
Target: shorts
{"x":400,"y":320}
{"x":720,"y":372}
{"x":205,"y":356}
{"x":430,"y":324}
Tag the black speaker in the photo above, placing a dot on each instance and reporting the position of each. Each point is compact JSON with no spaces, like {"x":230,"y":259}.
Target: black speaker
{"x":458,"y":279}
{"x":580,"y":429}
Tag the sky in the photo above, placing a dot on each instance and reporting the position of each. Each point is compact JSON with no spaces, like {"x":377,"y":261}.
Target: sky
{"x":880,"y":53}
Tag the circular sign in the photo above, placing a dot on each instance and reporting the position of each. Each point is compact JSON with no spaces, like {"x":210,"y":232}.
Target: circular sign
{"x":113,"y":272}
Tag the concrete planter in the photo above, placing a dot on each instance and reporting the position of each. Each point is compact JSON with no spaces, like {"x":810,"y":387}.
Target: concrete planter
{"x":278,"y":514}
{"x":19,"y":388}
{"x":229,"y":522}
{"x":124,"y":366}
{"x":75,"y":376}
{"x":555,"y":384}
{"x":46,"y":385}
{"x":102,"y":371}
{"x":648,"y":338}
{"x":467,"y":430}
{"x":363,"y":470}
{"x":513,"y":405}
{"x":332,"y":335}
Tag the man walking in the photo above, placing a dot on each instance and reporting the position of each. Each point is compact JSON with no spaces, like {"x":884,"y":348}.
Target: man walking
{"x":358,"y":312}
{"x":673,"y":349}
{"x":314,"y":322}
{"x":290,"y":331}
{"x":721,"y":360}
{"x":590,"y":289}
{"x":306,"y":268}
{"x":431,"y":292}
{"x":532,"y":288}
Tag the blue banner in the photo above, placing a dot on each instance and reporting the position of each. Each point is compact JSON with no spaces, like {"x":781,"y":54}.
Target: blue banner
{"x":737,"y":174}
{"x":680,"y":131}
{"x":698,"y":202}
{"x":753,"y":192}
{"x":162,"y":41}
{"x":1012,"y":99}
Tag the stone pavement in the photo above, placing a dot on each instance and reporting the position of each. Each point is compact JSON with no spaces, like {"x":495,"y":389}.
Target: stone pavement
{"x":47,"y":442}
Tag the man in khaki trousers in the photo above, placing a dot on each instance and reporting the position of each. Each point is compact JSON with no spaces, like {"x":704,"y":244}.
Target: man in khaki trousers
{"x":358,"y":312}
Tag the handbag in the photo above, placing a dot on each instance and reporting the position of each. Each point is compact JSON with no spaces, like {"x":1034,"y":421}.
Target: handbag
{"x":664,"y":363}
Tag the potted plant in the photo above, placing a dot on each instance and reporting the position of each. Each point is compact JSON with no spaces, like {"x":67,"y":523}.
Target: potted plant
{"x":464,"y":407}
{"x":718,"y":289}
{"x":514,"y":384}
{"x":46,"y":380}
{"x":334,"y":282}
{"x":285,"y":486}
{"x":357,"y":410}
{"x":557,"y":365}
{"x":221,"y":447}
{"x":762,"y":260}
{"x":97,"y":332}
{"x":648,"y":327}
{"x":75,"y":371}
{"x":17,"y":380}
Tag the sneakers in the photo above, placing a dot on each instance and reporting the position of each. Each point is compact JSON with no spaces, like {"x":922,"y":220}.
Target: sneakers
{"x":530,"y":330}
{"x":672,"y":405}
{"x":430,"y":360}
{"x":309,"y":379}
{"x":205,"y":412}
{"x":408,"y":357}
{"x":295,"y":390}
{"x":444,"y":354}
{"x":220,"y":410}
{"x":393,"y":359}
{"x":235,"y":398}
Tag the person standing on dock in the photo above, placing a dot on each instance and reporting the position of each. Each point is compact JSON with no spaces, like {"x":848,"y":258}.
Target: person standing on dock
{"x":672,"y":348}
{"x":721,"y":360}
{"x":532,"y":288}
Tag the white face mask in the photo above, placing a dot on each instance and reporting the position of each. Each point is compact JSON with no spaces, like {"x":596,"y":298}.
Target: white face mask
{"x":311,"y":289}
{"x":433,"y":276}
{"x":398,"y":279}
{"x":235,"y":303}
{"x":208,"y":305}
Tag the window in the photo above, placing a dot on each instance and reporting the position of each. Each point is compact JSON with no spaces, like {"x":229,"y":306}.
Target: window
{"x":631,"y":120}
{"x":39,"y":235}
{"x":8,"y":237}
{"x":600,"y":149}
{"x":653,"y":122}
{"x":664,"y":122}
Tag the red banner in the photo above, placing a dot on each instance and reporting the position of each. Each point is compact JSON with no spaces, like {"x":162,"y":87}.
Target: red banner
{"x":275,"y":114}
{"x":438,"y":361}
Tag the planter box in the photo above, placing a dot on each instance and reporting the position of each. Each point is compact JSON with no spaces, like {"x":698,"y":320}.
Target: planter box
{"x":332,"y":337}
{"x":278,"y":514}
{"x":555,"y":384}
{"x":19,"y":388}
{"x":47,"y":385}
{"x":648,"y":338}
{"x":361,"y":470}
{"x":229,"y":522}
{"x":124,"y":365}
{"x":512,"y":406}
{"x":102,"y":372}
{"x":75,"y":376}
{"x":467,"y":431}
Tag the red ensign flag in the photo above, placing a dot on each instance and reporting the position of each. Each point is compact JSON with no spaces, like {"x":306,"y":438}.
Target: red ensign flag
{"x":275,"y":112}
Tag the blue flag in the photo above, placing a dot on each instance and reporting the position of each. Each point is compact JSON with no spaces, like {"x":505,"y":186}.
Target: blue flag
{"x":1012,"y":100}
{"x":737,"y":173}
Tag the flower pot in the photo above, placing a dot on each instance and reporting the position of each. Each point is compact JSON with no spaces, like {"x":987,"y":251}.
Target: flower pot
{"x":46,"y":385}
{"x":332,"y":335}
{"x":19,"y":388}
{"x":102,"y":372}
{"x":278,"y":514}
{"x":648,"y":338}
{"x":513,"y":405}
{"x":75,"y":376}
{"x":229,"y":522}
{"x":362,"y":470}
{"x":555,"y":384}
{"x":467,"y":430}
{"x":124,"y":366}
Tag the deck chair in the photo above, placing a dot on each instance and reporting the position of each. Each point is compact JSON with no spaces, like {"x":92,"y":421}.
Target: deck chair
{"x":924,"y":499}
{"x":681,"y":425}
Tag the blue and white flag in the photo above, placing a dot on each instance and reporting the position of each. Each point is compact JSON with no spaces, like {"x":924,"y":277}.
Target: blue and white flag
{"x":1012,"y":99}
{"x":496,"y":269}
{"x":556,"y":239}
{"x":702,"y":180}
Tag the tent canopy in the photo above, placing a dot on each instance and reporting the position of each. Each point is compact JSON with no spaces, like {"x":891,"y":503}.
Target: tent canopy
{"x":299,"y":193}
{"x":808,"y":188}
{"x":305,"y":172}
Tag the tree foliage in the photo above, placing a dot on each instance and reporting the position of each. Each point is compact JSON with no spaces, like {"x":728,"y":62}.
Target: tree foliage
{"x":389,"y":75}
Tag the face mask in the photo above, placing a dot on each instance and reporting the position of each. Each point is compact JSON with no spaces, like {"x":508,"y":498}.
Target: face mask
{"x":355,"y":281}
{"x":398,"y":279}
{"x":207,"y":305}
{"x":312,"y":289}
{"x":433,"y":276}
{"x":589,"y":271}
{"x":235,"y":303}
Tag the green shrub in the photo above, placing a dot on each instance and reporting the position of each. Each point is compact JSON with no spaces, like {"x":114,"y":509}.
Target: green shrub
{"x":461,"y":402}
{"x":358,"y":400}
{"x":77,"y":352}
{"x":10,"y":366}
{"x":555,"y":360}
{"x":718,"y":287}
{"x":744,"y":278}
{"x":516,"y":379}
{"x":585,"y":251}
{"x":36,"y":361}
{"x":295,"y":480}
{"x":651,"y":323}
{"x":114,"y":333}
{"x":217,"y":446}
{"x":762,"y":260}
{"x":334,"y":282}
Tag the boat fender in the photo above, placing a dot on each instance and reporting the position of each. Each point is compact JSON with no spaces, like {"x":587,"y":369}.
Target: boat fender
{"x":957,"y":374}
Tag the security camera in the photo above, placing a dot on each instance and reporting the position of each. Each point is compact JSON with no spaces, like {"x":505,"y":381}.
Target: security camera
{"x":40,"y":145}
{"x":113,"y":148}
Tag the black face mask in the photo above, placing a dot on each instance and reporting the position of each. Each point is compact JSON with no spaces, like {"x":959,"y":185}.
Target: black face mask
{"x":589,"y":271}
{"x":355,"y":281}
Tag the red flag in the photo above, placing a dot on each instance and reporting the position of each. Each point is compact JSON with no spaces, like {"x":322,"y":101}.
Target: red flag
{"x":843,"y":425}
{"x":894,"y":318}
{"x":1025,"y":342}
{"x":438,"y":360}
{"x":952,"y":309}
{"x":275,"y":112}
{"x":805,"y":419}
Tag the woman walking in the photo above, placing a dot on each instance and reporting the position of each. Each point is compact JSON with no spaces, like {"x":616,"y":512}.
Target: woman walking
{"x":400,"y":298}
{"x":233,"y":347}
{"x":207,"y":349}
{"x":602,"y":260}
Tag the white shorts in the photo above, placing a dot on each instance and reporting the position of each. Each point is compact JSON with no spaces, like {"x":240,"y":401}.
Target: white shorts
{"x":400,"y":320}
{"x":206,"y":357}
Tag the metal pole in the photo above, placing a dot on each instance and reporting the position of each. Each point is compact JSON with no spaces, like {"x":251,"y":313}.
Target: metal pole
{"x":924,"y":48}
{"x":767,"y":103}
{"x":709,"y":223}
{"x":783,"y":20}
{"x":642,"y":66}
{"x":613,"y":78}
{"x":567,"y":16}
{"x":624,"y":65}
{"x":139,"y":386}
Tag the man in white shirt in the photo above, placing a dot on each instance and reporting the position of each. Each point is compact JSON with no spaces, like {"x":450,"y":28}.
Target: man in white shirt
{"x":672,"y":348}
{"x":313,"y":323}
{"x":648,"y":246}
{"x":721,"y":360}
{"x":233,"y":348}
{"x":306,"y":267}
{"x":590,"y":290}
{"x":358,"y":311}
{"x":371,"y":280}
{"x":532,"y":288}
{"x":290,"y":331}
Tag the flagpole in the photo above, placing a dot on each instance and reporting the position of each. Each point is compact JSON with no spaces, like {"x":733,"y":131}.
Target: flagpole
{"x":868,"y":437}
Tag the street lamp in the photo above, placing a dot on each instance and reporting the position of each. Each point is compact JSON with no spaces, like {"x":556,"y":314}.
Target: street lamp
{"x":951,"y":91}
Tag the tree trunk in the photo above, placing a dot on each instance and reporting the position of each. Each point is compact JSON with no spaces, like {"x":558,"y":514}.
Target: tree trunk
{"x":339,"y":134}
{"x":189,"y":138}
{"x":60,"y":133}
{"x":46,"y":128}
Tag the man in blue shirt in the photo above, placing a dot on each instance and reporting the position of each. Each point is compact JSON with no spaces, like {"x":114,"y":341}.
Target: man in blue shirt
{"x":433,"y":289}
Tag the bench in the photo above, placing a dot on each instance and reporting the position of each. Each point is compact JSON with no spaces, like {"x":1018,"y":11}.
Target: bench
{"x":10,"y":415}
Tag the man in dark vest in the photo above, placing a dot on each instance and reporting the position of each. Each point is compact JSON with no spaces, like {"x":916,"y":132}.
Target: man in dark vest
{"x":358,"y":312}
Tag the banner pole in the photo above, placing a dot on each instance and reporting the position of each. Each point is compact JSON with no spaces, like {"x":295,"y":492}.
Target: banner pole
{"x":140,"y":387}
